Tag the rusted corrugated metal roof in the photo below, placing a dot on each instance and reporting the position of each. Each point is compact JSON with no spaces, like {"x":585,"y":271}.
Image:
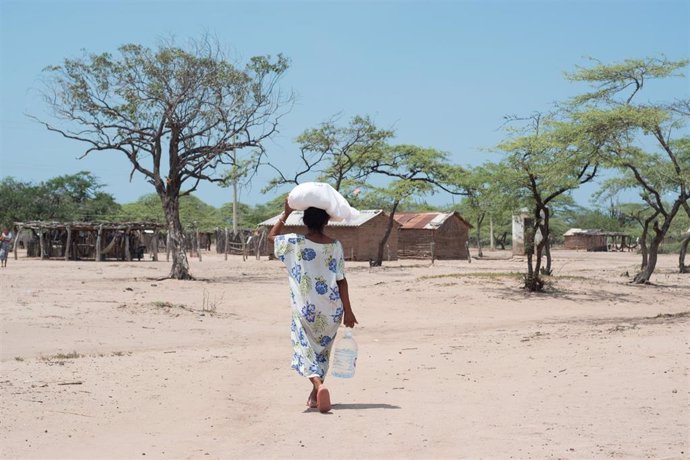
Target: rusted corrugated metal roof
{"x":424,"y":220}
{"x":295,"y":219}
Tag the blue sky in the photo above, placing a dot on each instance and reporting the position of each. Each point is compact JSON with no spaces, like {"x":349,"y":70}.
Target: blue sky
{"x":441,"y":73}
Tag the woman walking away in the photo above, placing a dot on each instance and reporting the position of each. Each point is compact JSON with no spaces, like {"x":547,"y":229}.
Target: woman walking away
{"x":319,"y":297}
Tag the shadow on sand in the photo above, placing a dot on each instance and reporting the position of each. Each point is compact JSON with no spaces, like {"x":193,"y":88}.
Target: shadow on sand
{"x":364,"y":406}
{"x":337,"y":407}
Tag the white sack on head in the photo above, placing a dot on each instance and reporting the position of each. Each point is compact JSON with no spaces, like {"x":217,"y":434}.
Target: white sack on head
{"x":322,"y":196}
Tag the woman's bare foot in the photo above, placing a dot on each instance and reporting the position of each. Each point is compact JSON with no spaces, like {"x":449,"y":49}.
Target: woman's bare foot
{"x":311,"y":402}
{"x":323,"y":399}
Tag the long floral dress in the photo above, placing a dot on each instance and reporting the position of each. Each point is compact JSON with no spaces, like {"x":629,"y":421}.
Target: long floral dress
{"x":313,"y":269}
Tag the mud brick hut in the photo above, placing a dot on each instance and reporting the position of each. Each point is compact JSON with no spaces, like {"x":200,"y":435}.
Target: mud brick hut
{"x":360,"y":237}
{"x":88,"y":240}
{"x":596,"y":240}
{"x":432,"y":235}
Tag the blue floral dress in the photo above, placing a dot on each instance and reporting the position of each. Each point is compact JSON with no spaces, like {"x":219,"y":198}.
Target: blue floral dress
{"x":313,"y":269}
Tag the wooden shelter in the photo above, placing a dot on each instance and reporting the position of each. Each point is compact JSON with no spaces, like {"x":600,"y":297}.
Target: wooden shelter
{"x":432,"y":235}
{"x":360,"y":237}
{"x":89,"y":240}
{"x":597,"y":240}
{"x":244,"y":242}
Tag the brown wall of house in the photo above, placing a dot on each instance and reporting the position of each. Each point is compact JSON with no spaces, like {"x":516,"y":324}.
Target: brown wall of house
{"x":449,"y":241}
{"x":359,"y":243}
{"x":586,"y":242}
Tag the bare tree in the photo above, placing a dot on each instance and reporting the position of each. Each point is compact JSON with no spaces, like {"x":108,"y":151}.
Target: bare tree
{"x":174,"y":113}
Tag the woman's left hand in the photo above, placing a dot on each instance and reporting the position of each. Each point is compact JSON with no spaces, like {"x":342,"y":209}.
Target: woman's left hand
{"x":349,"y":319}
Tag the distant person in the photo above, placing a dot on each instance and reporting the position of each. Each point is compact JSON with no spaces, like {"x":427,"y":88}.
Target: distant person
{"x":5,"y":245}
{"x":319,"y":297}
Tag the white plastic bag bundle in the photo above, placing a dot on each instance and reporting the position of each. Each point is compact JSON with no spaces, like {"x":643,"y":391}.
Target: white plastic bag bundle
{"x":322,"y":196}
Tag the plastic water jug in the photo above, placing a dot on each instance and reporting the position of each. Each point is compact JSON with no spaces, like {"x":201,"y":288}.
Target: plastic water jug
{"x":345,"y":356}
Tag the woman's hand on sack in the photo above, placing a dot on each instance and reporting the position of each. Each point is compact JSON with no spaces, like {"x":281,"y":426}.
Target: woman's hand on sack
{"x":288,"y":209}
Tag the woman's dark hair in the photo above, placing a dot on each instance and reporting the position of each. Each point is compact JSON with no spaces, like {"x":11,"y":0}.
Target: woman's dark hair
{"x":315,"y":219}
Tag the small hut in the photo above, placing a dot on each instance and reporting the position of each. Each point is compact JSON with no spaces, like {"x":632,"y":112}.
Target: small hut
{"x":432,"y":235}
{"x":89,"y":240}
{"x":596,"y":240}
{"x":360,"y":237}
{"x":523,"y":237}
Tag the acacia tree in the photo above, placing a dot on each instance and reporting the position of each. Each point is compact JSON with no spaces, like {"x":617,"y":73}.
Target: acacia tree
{"x":335,"y":154}
{"x":414,"y":171}
{"x":611,"y":113}
{"x":545,"y":159}
{"x":487,"y":194}
{"x":175,"y":114}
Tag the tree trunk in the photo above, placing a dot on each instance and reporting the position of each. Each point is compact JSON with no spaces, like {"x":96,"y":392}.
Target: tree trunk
{"x":659,"y":234}
{"x":643,"y":242}
{"x":492,"y":243}
{"x":382,"y":244}
{"x":68,"y":243}
{"x":480,"y":219}
{"x":176,"y":238}
{"x":546,"y":233}
{"x":643,"y":276}
{"x":533,"y":281}
{"x":683,"y":251}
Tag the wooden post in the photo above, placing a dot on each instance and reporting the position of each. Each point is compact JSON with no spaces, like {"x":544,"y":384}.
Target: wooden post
{"x":225,"y":248}
{"x":98,"y":243}
{"x":42,"y":243}
{"x":259,"y":244}
{"x":167,"y":246}
{"x":155,"y":244}
{"x":128,"y":253}
{"x":198,"y":246}
{"x":244,"y":246}
{"x":16,"y":239}
{"x":69,"y":242}
{"x":433,"y":252}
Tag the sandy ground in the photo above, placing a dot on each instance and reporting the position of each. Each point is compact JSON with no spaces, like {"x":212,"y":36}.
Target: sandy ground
{"x":105,"y":360}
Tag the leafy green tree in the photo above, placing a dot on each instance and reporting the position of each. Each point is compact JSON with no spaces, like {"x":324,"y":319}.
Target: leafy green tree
{"x":71,"y":197}
{"x":176,"y":115}
{"x":612,"y":115}
{"x":194,"y":213}
{"x":545,"y":159}
{"x":261,"y":212}
{"x":335,"y":154}
{"x":77,"y":197}
{"x":487,"y":195}
{"x":21,"y":201}
{"x":413,"y":171}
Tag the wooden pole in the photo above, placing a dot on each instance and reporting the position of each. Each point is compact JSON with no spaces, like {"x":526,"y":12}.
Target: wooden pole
{"x":69,"y":242}
{"x":259,"y":244}
{"x":128,"y":253}
{"x":16,"y":240}
{"x":154,"y":248}
{"x":198,"y":246}
{"x":42,"y":243}
{"x":225,"y":248}
{"x":98,"y":243}
{"x":167,"y":246}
